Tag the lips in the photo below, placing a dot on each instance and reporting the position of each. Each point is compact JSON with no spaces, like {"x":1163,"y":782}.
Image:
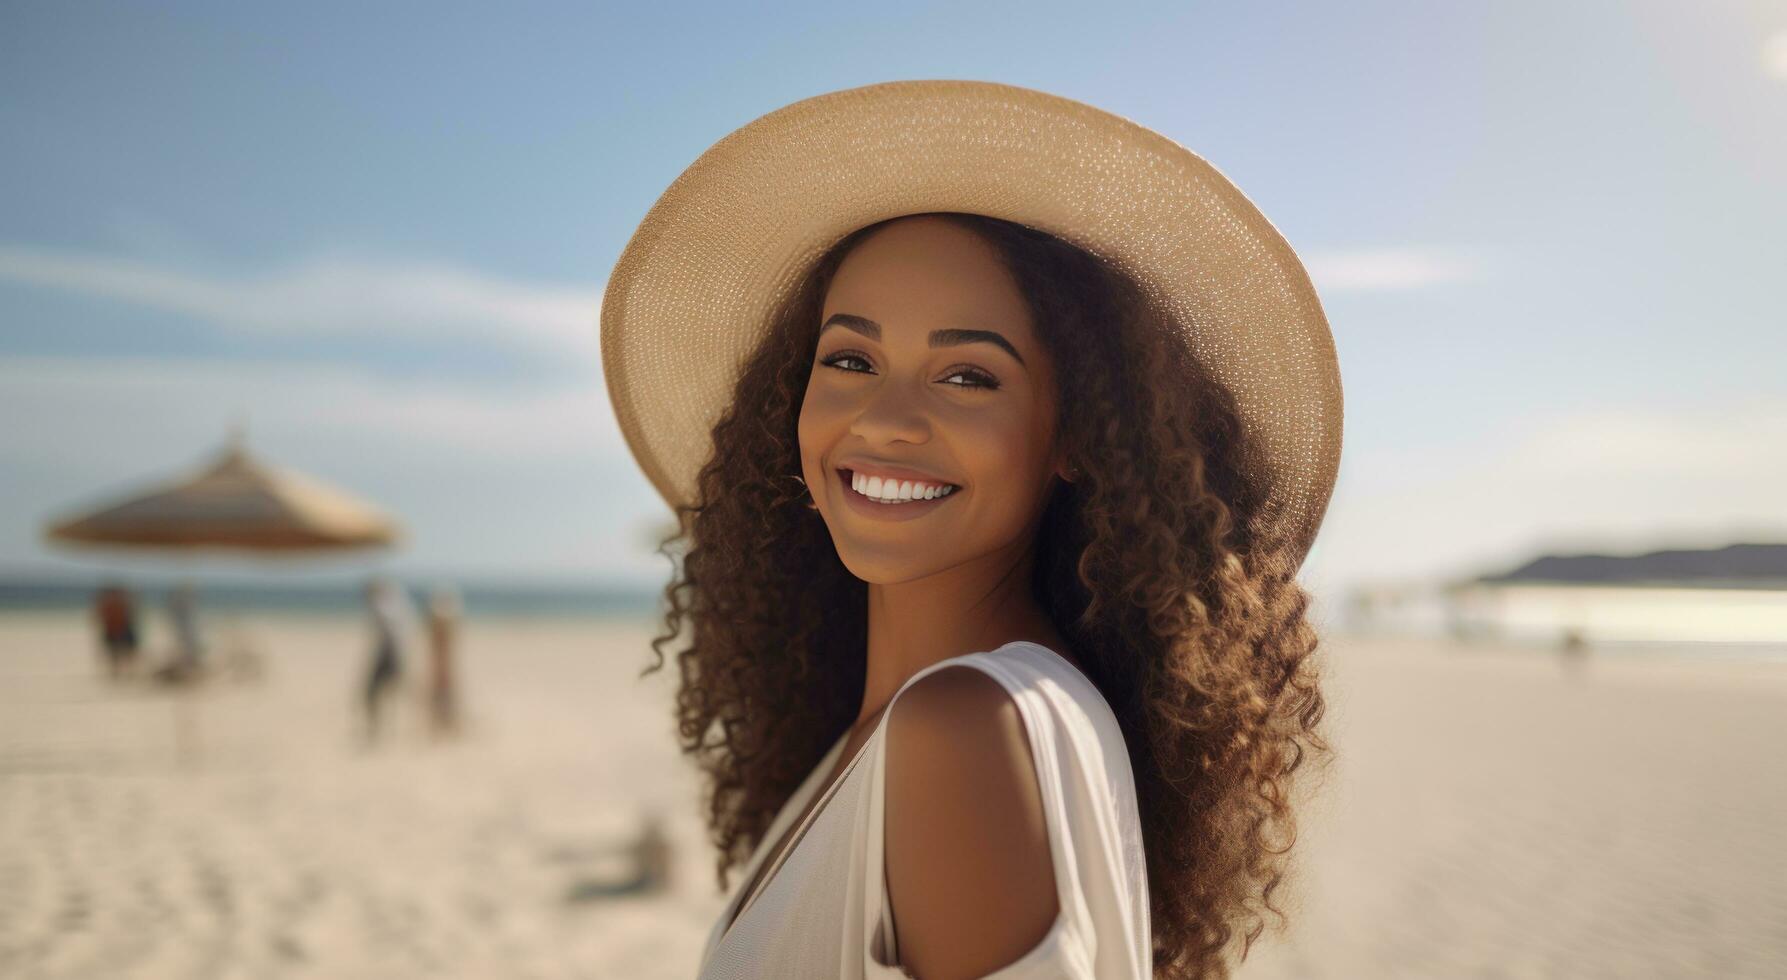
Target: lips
{"x":870,"y":467}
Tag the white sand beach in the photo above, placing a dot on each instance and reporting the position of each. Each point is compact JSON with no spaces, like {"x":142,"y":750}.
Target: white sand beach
{"x":1492,"y":814}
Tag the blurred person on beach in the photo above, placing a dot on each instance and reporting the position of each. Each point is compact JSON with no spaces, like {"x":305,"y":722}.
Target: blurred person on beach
{"x":1573,"y":652}
{"x":984,"y":574}
{"x":114,"y":612}
{"x":444,"y":612}
{"x":187,"y":663}
{"x":393,"y":621}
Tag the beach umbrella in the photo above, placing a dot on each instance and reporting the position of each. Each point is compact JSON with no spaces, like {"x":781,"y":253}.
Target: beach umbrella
{"x":236,"y":502}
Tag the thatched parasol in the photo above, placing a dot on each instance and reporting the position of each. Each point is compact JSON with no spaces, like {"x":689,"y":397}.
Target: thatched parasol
{"x":236,"y":502}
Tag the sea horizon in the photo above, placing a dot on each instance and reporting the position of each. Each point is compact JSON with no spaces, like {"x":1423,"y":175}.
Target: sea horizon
{"x":479,"y":598}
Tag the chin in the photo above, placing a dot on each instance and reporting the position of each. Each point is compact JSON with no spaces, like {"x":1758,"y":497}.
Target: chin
{"x":885,"y":568}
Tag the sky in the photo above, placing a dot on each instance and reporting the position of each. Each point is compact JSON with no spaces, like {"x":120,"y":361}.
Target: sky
{"x":1549,"y":239}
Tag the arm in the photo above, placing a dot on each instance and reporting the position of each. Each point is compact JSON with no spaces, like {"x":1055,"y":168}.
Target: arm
{"x":969,"y":871}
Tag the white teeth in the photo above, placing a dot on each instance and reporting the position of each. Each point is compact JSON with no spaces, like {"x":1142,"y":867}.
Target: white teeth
{"x":890,"y":491}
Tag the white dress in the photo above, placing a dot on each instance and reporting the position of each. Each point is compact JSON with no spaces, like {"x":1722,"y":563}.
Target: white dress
{"x":824,"y":912}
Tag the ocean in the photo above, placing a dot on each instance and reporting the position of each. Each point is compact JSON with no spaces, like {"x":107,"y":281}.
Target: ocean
{"x":478,"y":599}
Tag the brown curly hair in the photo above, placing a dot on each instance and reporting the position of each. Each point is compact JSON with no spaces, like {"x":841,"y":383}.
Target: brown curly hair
{"x":1153,"y":564}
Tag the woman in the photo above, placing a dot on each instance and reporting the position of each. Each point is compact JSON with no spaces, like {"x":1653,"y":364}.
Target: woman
{"x":388,"y":606}
{"x":444,"y":610}
{"x":1033,"y":713}
{"x":115,"y":612}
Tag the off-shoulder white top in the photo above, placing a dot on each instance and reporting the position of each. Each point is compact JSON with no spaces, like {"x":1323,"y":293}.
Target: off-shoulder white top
{"x":824,"y":912}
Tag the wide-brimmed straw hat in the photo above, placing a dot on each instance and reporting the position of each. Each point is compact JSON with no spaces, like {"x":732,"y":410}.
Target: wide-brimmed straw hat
{"x":734,"y":235}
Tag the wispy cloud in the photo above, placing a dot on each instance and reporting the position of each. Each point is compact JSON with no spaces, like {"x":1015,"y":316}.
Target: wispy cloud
{"x":99,"y":408}
{"x":336,"y":293}
{"x":1389,"y":268}
{"x":1774,"y":55}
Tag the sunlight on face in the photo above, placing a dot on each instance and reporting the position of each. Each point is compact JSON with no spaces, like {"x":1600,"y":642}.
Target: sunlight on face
{"x":910,"y":379}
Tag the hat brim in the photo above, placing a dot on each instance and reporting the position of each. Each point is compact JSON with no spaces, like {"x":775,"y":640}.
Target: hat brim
{"x":694,"y":289}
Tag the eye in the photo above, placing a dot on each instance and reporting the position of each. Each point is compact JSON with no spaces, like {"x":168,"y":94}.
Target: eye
{"x":836,"y":359}
{"x":976,"y":378}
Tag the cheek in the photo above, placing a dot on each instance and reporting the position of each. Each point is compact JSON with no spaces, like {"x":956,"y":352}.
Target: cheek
{"x":815,"y":428}
{"x":1001,"y":454}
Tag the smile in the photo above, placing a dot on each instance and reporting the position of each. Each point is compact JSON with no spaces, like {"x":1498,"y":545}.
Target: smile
{"x":891,"y":491}
{"x":877,"y":496}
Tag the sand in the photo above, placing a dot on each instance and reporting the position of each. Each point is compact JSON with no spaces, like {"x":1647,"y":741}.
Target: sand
{"x":1492,"y":814}
{"x":1496,"y":813}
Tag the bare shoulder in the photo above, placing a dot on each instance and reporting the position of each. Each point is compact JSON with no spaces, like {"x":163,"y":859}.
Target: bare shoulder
{"x":969,"y":872}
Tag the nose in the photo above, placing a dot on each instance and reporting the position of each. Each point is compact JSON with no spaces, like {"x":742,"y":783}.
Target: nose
{"x":893,"y":411}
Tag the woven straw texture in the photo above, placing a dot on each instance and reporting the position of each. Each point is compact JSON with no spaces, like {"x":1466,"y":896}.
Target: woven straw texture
{"x":739,"y":229}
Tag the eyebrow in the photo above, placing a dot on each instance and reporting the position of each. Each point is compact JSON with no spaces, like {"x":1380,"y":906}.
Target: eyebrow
{"x":948,"y":337}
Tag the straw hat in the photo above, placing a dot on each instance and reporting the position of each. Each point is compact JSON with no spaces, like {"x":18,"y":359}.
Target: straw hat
{"x":695,"y":287}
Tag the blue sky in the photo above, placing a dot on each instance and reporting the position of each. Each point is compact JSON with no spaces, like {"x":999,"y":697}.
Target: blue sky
{"x":1549,"y":239}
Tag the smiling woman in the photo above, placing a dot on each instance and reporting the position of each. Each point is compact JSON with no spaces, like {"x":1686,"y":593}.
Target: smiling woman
{"x":898,"y":400}
{"x":996,"y":661}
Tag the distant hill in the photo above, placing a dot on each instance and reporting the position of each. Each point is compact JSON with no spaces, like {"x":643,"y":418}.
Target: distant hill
{"x":1733,"y":566}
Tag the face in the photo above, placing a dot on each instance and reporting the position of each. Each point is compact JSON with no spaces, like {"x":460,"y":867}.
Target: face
{"x":927,"y":369}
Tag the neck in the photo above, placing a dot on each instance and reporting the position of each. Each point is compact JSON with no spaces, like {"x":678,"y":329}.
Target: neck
{"x":978,"y":605}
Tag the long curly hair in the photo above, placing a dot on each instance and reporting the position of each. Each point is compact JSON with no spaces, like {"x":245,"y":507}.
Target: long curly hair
{"x":1151,"y":564}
